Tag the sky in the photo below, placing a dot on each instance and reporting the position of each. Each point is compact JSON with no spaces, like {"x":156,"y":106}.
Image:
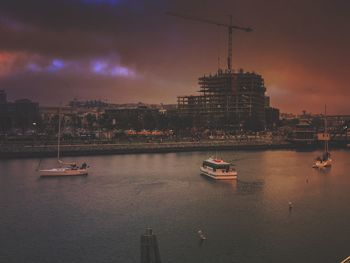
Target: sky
{"x":121,"y":51}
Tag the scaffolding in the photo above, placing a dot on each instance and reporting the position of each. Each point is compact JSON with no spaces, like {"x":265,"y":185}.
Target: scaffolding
{"x":227,"y":100}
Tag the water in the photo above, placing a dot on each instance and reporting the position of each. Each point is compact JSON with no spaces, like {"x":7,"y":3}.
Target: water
{"x":99,"y":218}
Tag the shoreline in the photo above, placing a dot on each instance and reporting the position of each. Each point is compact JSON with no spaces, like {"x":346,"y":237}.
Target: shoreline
{"x":29,"y":151}
{"x":11,"y":151}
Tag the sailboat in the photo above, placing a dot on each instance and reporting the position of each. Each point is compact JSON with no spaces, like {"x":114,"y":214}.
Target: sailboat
{"x":325,"y":160}
{"x":65,"y":168}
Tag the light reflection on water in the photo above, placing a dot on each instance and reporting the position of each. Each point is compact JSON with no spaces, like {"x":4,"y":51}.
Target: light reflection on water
{"x":99,"y":218}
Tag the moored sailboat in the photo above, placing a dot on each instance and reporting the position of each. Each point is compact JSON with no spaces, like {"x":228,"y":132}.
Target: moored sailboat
{"x":64,"y":169}
{"x":325,"y":160}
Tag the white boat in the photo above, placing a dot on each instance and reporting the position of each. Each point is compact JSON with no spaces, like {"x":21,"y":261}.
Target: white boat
{"x":64,"y":169}
{"x":325,"y":160}
{"x":201,"y":235}
{"x":218,"y":169}
{"x":323,"y":163}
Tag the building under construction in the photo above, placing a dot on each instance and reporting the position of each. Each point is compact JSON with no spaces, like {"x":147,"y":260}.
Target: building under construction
{"x":227,"y":100}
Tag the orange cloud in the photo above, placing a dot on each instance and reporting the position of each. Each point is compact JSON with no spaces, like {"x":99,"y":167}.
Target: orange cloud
{"x":10,"y":61}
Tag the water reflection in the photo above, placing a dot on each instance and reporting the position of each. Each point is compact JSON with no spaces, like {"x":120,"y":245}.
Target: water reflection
{"x":235,"y":186}
{"x":105,"y":212}
{"x":200,"y":242}
{"x":250,"y":187}
{"x":221,"y":184}
{"x":325,"y":171}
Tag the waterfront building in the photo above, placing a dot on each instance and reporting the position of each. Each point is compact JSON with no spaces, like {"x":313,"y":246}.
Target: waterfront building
{"x":3,"y":97}
{"x":267,"y":102}
{"x":272,"y":117}
{"x":288,"y":116}
{"x":139,"y":117}
{"x":6,"y":117}
{"x":75,"y":103}
{"x":304,"y":135}
{"x":227,"y":100}
{"x":22,"y":114}
{"x":26,"y":113}
{"x":73,"y":118}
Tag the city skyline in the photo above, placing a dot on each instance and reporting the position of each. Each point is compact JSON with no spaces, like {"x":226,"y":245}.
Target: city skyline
{"x":131,"y":51}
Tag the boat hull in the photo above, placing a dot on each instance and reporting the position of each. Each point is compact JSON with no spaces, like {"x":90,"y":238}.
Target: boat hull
{"x":231,"y":175}
{"x":62,"y":172}
{"x":324,"y":164}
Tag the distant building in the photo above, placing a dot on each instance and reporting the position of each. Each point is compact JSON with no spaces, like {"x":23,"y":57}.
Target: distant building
{"x":6,"y":117}
{"x":26,"y":113}
{"x":3,"y":97}
{"x":267,"y":101}
{"x":87,"y":104}
{"x":23,"y":114}
{"x":272,"y":117}
{"x":227,"y":100}
{"x":140,"y":117}
{"x":47,"y":113}
{"x":71,"y":117}
{"x":288,"y":116}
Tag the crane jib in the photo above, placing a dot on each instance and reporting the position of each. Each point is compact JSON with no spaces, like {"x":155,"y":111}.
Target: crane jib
{"x":229,"y":26}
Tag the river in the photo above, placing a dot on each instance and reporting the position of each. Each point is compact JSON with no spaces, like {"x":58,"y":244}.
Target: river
{"x":100,"y":217}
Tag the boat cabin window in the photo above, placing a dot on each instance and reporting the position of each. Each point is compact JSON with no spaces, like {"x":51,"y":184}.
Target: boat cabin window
{"x":225,"y":167}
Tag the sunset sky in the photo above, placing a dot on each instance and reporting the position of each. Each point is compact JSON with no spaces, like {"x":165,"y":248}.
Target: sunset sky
{"x":129,"y":51}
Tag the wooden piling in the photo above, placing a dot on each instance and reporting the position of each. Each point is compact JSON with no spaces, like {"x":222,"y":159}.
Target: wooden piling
{"x":149,"y":248}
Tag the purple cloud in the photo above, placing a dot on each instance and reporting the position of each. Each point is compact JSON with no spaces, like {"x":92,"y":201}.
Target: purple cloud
{"x":56,"y":65}
{"x":103,"y":67}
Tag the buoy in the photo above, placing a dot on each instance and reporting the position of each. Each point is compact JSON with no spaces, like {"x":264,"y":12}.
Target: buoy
{"x":201,"y":235}
{"x":290,"y":204}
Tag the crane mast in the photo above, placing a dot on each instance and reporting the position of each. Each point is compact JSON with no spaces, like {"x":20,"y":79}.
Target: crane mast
{"x":229,"y":51}
{"x":229,"y":26}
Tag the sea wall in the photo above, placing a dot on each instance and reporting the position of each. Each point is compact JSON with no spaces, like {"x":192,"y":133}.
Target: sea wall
{"x":37,"y":150}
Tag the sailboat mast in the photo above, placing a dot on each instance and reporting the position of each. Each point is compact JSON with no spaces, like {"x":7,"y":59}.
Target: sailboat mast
{"x":325,"y":129}
{"x":59,"y":134}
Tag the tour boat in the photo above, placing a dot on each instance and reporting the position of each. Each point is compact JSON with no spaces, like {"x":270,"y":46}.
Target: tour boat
{"x":218,"y":169}
{"x":325,"y":160}
{"x":64,"y":169}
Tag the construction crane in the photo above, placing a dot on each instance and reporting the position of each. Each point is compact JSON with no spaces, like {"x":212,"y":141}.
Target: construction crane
{"x":230,"y":28}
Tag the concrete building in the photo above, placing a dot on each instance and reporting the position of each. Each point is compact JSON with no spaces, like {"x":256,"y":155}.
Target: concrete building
{"x":272,"y":117}
{"x":227,"y":101}
{"x":267,"y":101}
